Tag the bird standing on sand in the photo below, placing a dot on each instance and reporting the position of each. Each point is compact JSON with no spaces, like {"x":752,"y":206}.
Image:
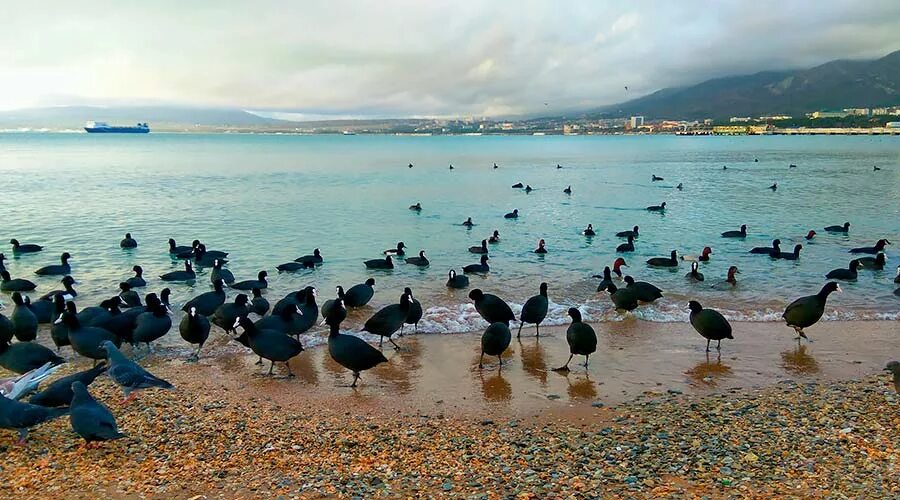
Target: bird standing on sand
{"x":491,"y":307}
{"x":21,"y":416}
{"x":360,"y":294}
{"x":806,"y":311}
{"x":388,"y":320}
{"x":710,"y":324}
{"x":194,"y":329}
{"x":414,"y":315}
{"x":534,"y":311}
{"x":581,"y":338}
{"x":494,"y":341}
{"x":129,"y":375}
{"x":91,"y":419}
{"x":269,"y":344}
{"x":59,"y":392}
{"x":22,"y":357}
{"x":353,"y":353}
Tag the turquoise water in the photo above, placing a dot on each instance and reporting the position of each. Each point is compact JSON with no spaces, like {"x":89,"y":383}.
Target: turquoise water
{"x":268,"y":199}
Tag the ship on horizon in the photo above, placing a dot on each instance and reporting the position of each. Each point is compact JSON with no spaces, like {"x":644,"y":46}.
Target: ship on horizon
{"x":105,"y":128}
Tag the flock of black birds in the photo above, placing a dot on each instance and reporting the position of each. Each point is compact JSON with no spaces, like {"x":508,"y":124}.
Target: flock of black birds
{"x":97,"y":332}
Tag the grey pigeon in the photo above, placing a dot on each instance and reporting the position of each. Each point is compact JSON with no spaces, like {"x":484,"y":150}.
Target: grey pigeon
{"x":894,"y":367}
{"x":59,"y":392}
{"x":22,"y":416}
{"x":129,"y":375}
{"x":90,"y":419}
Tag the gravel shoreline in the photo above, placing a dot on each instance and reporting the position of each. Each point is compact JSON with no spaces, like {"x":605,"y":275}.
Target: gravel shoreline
{"x":792,"y":439}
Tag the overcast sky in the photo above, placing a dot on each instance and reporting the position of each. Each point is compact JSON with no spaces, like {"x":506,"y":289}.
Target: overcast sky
{"x":413,"y":58}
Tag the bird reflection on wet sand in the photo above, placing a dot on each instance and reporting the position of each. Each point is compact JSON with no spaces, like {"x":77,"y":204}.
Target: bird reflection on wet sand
{"x":798,"y":362}
{"x":709,"y":372}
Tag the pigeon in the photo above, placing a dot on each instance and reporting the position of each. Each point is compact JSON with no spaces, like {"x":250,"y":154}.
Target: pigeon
{"x":17,"y":387}
{"x":91,"y":419}
{"x":59,"y":393}
{"x":22,"y":416}
{"x":129,"y":375}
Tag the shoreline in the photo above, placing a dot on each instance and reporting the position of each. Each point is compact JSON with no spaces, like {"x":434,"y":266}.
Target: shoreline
{"x":822,"y":427}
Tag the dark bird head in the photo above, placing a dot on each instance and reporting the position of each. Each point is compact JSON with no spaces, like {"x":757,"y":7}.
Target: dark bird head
{"x":694,"y":267}
{"x":241,"y":299}
{"x":496,"y":234}
{"x":484,"y":259}
{"x":244,"y":323}
{"x":317,"y":253}
{"x":172,"y":243}
{"x":732,"y":271}
{"x":138,"y":270}
{"x":846,"y":226}
{"x":635,"y":229}
{"x":544,"y":289}
{"x":4,"y":274}
{"x":262,"y":275}
{"x":575,"y":314}
{"x":127,"y":236}
{"x":855,"y":264}
{"x":674,"y":255}
{"x":776,"y":242}
{"x":590,"y":227}
{"x":452,"y":273}
{"x":830,"y":287}
{"x":218,"y":284}
{"x":629,"y":280}
{"x":217,"y":264}
{"x":371,"y":282}
{"x":67,"y":281}
{"x":197,"y":244}
{"x":881,"y":243}
{"x":880,"y":258}
{"x":164,"y":296}
{"x":389,"y":260}
{"x":476,"y":294}
{"x":17,"y":299}
{"x":124,"y":286}
{"x":611,"y":288}
{"x":65,"y":257}
{"x":695,"y":306}
{"x":256,"y":292}
{"x":662,"y":205}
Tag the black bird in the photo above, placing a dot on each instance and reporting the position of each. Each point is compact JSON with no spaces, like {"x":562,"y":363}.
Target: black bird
{"x":512,"y":215}
{"x":483,"y":267}
{"x":212,"y":254}
{"x":771,"y":251}
{"x":137,"y":281}
{"x":207,"y":302}
{"x":581,"y":338}
{"x":694,"y":274}
{"x":129,"y":296}
{"x":680,"y":186}
{"x":417,"y":207}
{"x":736,"y":234}
{"x":21,"y":416}
{"x":589,"y":230}
{"x":90,"y":419}
{"x":845,"y":228}
{"x":624,"y":234}
{"x":353,"y":353}
{"x":879,"y":247}
{"x":534,"y":311}
{"x":220,"y":273}
{"x":420,"y":261}
{"x":59,"y":333}
{"x":792,"y":166}
{"x":59,"y":393}
{"x":270,"y":344}
{"x":518,"y":185}
{"x":399,"y":250}
{"x":622,"y":298}
{"x":333,"y":311}
{"x":314,"y":259}
{"x":568,"y":190}
{"x":309,"y":312}
{"x":7,"y":329}
{"x":285,"y":321}
{"x":194,"y":329}
{"x":655,"y":178}
{"x":294,"y":266}
{"x":22,"y":357}
{"x":657,"y":208}
{"x":558,"y":166}
{"x":8,"y":284}
{"x":128,"y":242}
{"x":179,"y":250}
{"x":451,"y":166}
{"x":468,"y":222}
{"x":643,"y":291}
{"x":410,"y":165}
{"x":457,"y":281}
{"x":495,"y":238}
{"x":25,"y":323}
{"x":68,"y":292}
{"x":204,"y":258}
{"x":671,"y":261}
{"x":626,"y":247}
{"x":481,"y":249}
{"x":414,"y":315}
{"x":388,"y":320}
{"x":795,"y":255}
{"x":2,"y":266}
{"x":494,"y":341}
{"x":541,"y":248}
{"x":26,"y":248}
{"x":258,"y":303}
{"x":495,"y":166}
{"x":187,"y":275}
{"x":710,"y":324}
{"x":153,"y":323}
{"x":875,"y":168}
{"x":876,"y":262}
{"x":43,"y":310}
{"x":806,"y":311}
{"x":246,"y":285}
{"x":606,"y":279}
{"x":774,"y":186}
{"x":360,"y":295}
{"x":491,"y":307}
{"x":60,"y":269}
{"x":385,"y":263}
{"x":226,"y":314}
{"x":129,"y":375}
{"x":846,"y":273}
{"x":86,"y":340}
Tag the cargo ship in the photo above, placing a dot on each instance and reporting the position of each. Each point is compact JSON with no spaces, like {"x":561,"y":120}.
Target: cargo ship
{"x":105,"y":128}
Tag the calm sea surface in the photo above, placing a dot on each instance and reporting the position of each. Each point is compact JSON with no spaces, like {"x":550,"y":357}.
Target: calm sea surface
{"x":268,"y":199}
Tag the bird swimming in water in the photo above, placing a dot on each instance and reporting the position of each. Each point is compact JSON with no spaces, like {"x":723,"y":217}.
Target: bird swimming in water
{"x":410,"y":165}
{"x":795,"y":255}
{"x":792,"y":166}
{"x":657,"y":208}
{"x":451,"y":166}
{"x":845,"y":273}
{"x":605,"y":279}
{"x":399,"y":250}
{"x":643,"y":291}
{"x":417,"y":207}
{"x":771,"y":251}
{"x":247,"y":285}
{"x":512,"y":215}
{"x":457,"y":281}
{"x":558,"y":166}
{"x":680,"y":186}
{"x":481,"y":249}
{"x":655,"y":178}
{"x":495,"y":238}
{"x":137,"y":281}
{"x":877,"y":263}
{"x":420,"y":261}
{"x":879,"y":247}
{"x":845,"y":228}
{"x":624,"y":234}
{"x":581,"y":338}
{"x":806,"y":311}
{"x":360,"y":294}
{"x":495,"y":166}
{"x":810,"y":235}
{"x":875,"y":168}
{"x":187,"y":275}
{"x":541,"y":248}
{"x":128,"y":242}
{"x":622,"y":298}
{"x":19,"y":248}
{"x":627,"y":246}
{"x":710,"y":324}
{"x":774,"y":186}
{"x":695,"y":274}
{"x":482,"y":267}
{"x":589,"y":230}
{"x":8,"y":284}
{"x":315,"y":259}
{"x":385,"y":263}
{"x":671,"y":261}
{"x":468,"y":222}
{"x":518,"y":185}
{"x":742,"y":233}
{"x":568,"y":190}
{"x":730,"y":280}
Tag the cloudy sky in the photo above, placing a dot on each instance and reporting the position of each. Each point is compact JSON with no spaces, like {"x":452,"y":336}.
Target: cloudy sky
{"x":413,"y":58}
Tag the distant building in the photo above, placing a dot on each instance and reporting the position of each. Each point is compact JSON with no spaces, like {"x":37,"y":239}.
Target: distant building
{"x":708,"y":121}
{"x":730,"y":129}
{"x":892,"y":125}
{"x":828,"y":114}
{"x":857,"y":111}
{"x":774,"y":118}
{"x":636,"y":121}
{"x":739,"y":119}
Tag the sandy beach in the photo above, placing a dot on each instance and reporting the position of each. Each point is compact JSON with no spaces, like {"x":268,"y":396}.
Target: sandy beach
{"x":767,"y":418}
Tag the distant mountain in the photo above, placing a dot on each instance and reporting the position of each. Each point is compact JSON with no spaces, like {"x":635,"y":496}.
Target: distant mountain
{"x":834,"y":85}
{"x":159,"y":117}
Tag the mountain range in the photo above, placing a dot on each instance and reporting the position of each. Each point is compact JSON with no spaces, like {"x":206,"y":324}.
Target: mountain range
{"x":833,"y":85}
